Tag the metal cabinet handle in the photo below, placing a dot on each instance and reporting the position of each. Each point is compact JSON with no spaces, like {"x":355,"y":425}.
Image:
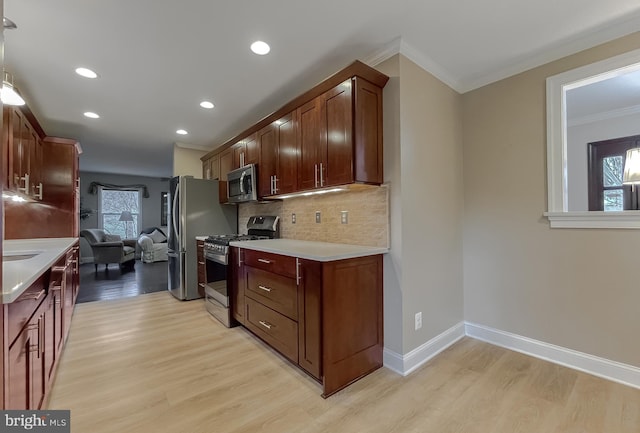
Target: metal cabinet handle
{"x":265,"y":324}
{"x":297,"y":271}
{"x":315,"y":173}
{"x":37,"y":188}
{"x":201,"y":263}
{"x":34,"y":297}
{"x":266,"y":289}
{"x":264,"y":261}
{"x":239,"y":257}
{"x":201,"y":285}
{"x":321,"y":176}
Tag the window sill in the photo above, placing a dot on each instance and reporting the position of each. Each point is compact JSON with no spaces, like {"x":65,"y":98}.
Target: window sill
{"x":629,"y":219}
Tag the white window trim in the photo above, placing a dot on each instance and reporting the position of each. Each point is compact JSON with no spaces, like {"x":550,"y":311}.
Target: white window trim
{"x":557,"y":188}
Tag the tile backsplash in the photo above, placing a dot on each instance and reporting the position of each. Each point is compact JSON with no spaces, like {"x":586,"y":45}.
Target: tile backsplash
{"x":368,"y":216}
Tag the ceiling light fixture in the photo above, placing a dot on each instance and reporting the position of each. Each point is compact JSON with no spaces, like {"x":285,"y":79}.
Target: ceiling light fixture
{"x":207,"y":104}
{"x":91,"y":115}
{"x":261,"y":48}
{"x":181,"y":132}
{"x":8,"y":94}
{"x":86,"y":72}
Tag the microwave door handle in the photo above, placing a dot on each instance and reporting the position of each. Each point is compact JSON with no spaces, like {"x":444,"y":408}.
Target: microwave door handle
{"x":242,"y":182}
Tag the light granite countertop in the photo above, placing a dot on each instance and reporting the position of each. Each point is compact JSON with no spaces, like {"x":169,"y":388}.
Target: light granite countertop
{"x":18,"y":275}
{"x":312,"y":250}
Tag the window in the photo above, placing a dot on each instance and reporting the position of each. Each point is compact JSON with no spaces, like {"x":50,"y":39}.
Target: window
{"x":114,"y":207}
{"x":563,"y":184}
{"x":606,"y":165}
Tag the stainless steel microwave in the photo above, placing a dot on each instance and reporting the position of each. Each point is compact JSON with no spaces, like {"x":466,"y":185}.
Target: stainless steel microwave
{"x":241,"y":184}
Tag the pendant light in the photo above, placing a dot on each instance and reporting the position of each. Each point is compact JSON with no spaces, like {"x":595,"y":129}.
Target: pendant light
{"x":8,"y":94}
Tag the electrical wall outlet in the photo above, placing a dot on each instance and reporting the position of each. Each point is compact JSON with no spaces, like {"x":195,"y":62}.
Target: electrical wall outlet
{"x":293,"y":218}
{"x":318,"y":217}
{"x":418,"y":320}
{"x":344,"y":217}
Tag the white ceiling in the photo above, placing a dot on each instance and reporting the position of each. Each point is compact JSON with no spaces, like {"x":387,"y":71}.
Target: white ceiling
{"x":157,"y":59}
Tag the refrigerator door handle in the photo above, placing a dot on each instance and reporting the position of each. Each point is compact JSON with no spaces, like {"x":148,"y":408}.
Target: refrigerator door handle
{"x":175,"y":202}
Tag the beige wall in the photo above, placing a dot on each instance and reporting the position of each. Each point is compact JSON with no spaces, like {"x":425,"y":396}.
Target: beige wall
{"x":423,"y":167}
{"x":570,"y":287}
{"x":186,"y":162}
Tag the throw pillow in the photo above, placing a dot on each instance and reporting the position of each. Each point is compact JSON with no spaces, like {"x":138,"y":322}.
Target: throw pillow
{"x":157,"y":237}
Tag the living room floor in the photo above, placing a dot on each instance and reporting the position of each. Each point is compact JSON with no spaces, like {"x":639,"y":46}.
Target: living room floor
{"x":115,"y":283}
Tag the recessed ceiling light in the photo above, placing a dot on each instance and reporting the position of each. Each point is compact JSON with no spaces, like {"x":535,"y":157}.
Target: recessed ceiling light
{"x":207,"y":104}
{"x":92,"y":115}
{"x":260,"y":48}
{"x":86,"y":72}
{"x":181,"y":132}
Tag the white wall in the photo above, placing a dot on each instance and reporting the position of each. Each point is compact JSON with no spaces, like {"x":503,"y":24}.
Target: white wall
{"x":578,"y":137}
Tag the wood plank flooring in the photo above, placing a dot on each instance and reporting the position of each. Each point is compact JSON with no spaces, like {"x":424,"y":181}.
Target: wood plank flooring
{"x":117,"y":283}
{"x":155,"y":364}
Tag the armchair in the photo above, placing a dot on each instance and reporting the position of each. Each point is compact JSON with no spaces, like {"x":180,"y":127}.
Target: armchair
{"x":153,"y":244}
{"x":109,"y":248}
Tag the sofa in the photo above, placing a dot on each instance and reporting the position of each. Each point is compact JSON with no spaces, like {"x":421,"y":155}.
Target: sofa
{"x":153,"y":245}
{"x":108,"y":248}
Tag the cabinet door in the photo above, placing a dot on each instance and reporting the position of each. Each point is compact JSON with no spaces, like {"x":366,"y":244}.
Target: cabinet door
{"x":226,"y":165}
{"x":267,"y":169}
{"x":16,"y":151}
{"x":214,"y":164}
{"x":309,"y":317}
{"x":239,"y":150}
{"x":287,"y":180}
{"x":337,"y":167}
{"x":251,"y":150}
{"x":368,"y":164}
{"x":19,"y":364}
{"x":312,"y":143}
{"x":206,"y":169}
{"x":238,"y":284}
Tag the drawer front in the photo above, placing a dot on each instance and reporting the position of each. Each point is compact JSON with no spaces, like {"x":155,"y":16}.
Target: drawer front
{"x":20,"y":311}
{"x":276,"y":263}
{"x":278,"y":331}
{"x":275,"y":291}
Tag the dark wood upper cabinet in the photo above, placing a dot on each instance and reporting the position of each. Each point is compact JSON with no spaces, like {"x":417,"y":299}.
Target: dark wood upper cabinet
{"x":330,"y":135}
{"x":277,"y":169}
{"x":311,"y":143}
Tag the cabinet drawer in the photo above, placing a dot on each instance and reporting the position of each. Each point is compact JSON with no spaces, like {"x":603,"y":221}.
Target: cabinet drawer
{"x":278,"y":331}
{"x":20,"y":311}
{"x":275,"y":291}
{"x":276,"y":263}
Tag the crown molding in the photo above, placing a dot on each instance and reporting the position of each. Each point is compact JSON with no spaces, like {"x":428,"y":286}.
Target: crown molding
{"x":400,"y":46}
{"x":605,"y":115}
{"x":192,"y":147}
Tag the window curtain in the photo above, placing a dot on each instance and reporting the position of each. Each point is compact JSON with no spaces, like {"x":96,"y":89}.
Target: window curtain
{"x":93,"y":188}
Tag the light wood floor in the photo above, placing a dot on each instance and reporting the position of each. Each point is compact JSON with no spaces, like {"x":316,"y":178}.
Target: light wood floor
{"x":154,"y":364}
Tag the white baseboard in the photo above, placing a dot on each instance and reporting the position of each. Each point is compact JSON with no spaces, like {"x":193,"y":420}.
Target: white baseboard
{"x":405,"y":364}
{"x":601,"y":367}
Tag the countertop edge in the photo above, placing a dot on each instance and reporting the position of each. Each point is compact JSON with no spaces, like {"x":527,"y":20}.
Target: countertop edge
{"x":263,"y":245}
{"x":8,"y":298}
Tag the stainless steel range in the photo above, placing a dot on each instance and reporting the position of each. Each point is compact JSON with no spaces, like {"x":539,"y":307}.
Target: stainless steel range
{"x":216,"y":253}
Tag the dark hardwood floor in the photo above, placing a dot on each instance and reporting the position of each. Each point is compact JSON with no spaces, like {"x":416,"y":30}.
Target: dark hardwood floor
{"x":121,"y":283}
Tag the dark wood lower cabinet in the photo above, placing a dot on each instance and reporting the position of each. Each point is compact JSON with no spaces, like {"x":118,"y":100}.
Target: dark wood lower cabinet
{"x":35,"y":327}
{"x":327,"y":319}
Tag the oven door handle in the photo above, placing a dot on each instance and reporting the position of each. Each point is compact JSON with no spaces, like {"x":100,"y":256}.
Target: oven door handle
{"x":217,"y":258}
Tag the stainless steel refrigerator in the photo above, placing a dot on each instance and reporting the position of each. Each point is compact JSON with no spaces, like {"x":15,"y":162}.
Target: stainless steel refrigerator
{"x":193,"y":211}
